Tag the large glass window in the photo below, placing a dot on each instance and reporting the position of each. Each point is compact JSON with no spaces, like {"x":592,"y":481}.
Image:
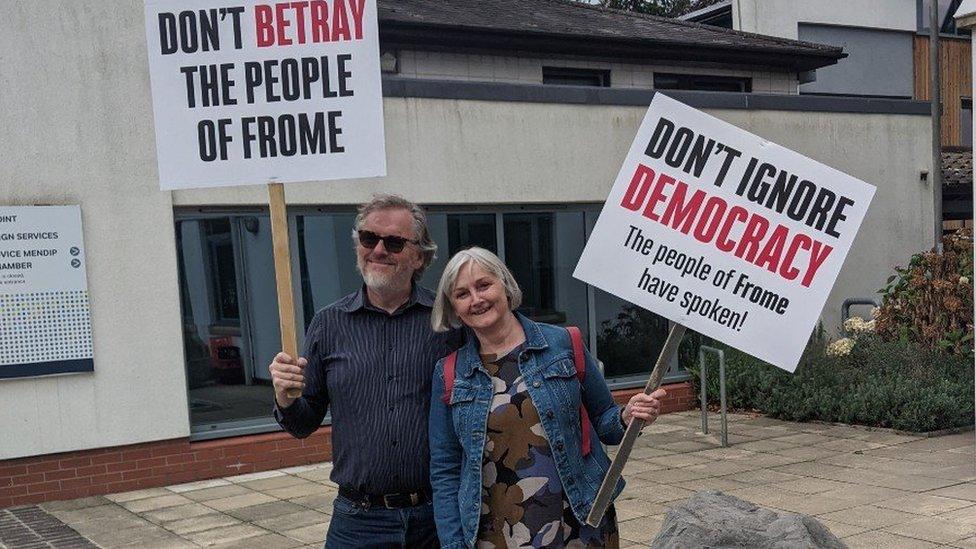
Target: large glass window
{"x":230,"y":306}
{"x":230,"y":316}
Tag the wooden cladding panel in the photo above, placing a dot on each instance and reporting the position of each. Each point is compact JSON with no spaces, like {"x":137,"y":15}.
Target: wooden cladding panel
{"x":956,"y":81}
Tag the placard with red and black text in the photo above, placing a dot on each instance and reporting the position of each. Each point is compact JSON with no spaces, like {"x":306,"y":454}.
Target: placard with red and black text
{"x":724,"y":232}
{"x":252,"y":92}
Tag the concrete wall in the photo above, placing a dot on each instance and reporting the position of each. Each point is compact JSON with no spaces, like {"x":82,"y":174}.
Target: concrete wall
{"x":76,"y":128}
{"x":780,"y":17}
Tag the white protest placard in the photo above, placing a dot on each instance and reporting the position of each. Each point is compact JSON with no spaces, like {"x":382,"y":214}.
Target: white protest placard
{"x":45,"y":322}
{"x":249,"y":92}
{"x":724,"y":232}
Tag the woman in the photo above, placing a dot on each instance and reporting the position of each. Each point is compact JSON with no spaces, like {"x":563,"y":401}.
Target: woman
{"x":508,"y":466}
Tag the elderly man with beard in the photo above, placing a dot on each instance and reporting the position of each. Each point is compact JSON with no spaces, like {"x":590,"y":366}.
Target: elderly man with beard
{"x":369,"y":358}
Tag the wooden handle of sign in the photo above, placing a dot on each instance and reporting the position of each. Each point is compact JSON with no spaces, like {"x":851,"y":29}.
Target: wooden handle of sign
{"x":282,"y":262}
{"x":602,"y":500}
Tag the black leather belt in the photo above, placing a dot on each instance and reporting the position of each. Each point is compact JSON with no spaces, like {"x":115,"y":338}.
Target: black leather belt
{"x":389,"y":501}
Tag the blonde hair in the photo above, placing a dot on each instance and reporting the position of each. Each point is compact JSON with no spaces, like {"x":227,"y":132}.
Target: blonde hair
{"x":443,"y":317}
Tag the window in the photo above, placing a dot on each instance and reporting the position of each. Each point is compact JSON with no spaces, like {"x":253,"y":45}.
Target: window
{"x":229,"y":301}
{"x":230,"y":316}
{"x":947,"y":19}
{"x":879,"y":62}
{"x":567,"y":76}
{"x":702,"y":82}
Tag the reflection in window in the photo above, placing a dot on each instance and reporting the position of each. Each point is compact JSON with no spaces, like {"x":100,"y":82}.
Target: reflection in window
{"x":702,"y":82}
{"x":542,"y":249}
{"x":947,"y":16}
{"x":571,"y":76}
{"x":230,"y":316}
{"x":629,"y":338}
{"x":467,"y":230}
{"x":327,"y":259}
{"x":229,"y":301}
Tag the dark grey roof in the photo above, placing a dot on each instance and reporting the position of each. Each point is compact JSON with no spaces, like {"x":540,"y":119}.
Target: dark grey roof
{"x":566,"y":26}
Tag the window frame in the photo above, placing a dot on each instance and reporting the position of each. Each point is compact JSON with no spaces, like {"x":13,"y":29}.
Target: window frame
{"x":232,"y":428}
{"x":684,"y":81}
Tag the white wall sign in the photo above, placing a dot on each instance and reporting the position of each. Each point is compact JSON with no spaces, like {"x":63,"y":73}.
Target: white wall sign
{"x":45,"y":324}
{"x":724,"y":232}
{"x":249,"y":92}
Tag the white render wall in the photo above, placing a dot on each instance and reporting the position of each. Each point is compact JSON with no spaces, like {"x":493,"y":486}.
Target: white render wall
{"x":525,"y":68}
{"x":780,"y":17}
{"x":76,"y":128}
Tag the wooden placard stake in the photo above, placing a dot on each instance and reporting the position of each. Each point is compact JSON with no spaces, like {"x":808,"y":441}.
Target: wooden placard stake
{"x":282,"y":262}
{"x":602,"y":500}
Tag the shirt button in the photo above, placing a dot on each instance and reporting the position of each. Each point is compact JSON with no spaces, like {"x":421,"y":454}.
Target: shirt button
{"x":570,"y":481}
{"x":389,"y":378}
{"x":559,"y":446}
{"x":394,"y":442}
{"x":549,"y":414}
{"x":391,"y":408}
{"x":536,"y":384}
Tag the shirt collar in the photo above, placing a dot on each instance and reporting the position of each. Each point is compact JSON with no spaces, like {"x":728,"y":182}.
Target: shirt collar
{"x":418,"y":296}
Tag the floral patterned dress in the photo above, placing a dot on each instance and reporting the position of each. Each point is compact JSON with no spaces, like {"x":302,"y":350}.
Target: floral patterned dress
{"x":522,"y":499}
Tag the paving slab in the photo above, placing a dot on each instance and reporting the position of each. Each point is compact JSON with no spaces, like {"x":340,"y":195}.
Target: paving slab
{"x":238,"y":502}
{"x":885,"y":540}
{"x":201,"y":523}
{"x":265,"y":510}
{"x":217,"y":492}
{"x":269,"y":541}
{"x":869,"y":516}
{"x":226,"y":534}
{"x":180,"y":512}
{"x":871,"y":488}
{"x":309,"y":534}
{"x":934,"y":529}
{"x":198,"y":485}
{"x":139,"y":494}
{"x":293,"y":521}
{"x":152,"y":504}
{"x":641,"y":530}
{"x":923,"y":504}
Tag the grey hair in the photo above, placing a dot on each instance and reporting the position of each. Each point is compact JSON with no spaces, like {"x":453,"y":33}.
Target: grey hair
{"x":443,"y":317}
{"x":427,"y":246}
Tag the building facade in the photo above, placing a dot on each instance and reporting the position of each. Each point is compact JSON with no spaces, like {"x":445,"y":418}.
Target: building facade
{"x":508,"y":121}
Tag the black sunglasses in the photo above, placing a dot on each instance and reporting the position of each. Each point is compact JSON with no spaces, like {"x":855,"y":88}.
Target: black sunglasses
{"x":393,"y":244}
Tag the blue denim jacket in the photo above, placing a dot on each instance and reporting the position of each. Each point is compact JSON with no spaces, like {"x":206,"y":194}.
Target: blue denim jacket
{"x":457,"y":431}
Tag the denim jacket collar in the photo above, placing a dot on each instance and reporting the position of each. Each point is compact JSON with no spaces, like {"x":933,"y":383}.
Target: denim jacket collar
{"x":469,"y":359}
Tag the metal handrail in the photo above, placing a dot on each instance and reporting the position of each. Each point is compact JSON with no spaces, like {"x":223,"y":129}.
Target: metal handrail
{"x":721,"y":391}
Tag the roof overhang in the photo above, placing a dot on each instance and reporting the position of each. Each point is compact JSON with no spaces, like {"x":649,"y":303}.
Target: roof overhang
{"x":966,"y":14}
{"x":708,"y":12}
{"x":398,"y":34}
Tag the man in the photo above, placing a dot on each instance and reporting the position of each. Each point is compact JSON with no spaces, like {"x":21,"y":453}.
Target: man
{"x":369,"y":358}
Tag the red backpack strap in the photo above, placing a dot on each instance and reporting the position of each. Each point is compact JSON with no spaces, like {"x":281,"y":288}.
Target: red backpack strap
{"x":449,"y":364}
{"x":579,"y":359}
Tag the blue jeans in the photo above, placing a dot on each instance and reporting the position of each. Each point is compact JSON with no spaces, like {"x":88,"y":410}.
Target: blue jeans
{"x":355,"y":527}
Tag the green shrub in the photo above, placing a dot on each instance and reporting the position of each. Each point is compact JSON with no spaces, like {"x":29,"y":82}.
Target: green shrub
{"x":880,"y":383}
{"x":930,"y":302}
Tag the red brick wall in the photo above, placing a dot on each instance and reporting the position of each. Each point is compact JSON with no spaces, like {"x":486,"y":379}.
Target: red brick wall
{"x":122,"y":468}
{"x":681,"y":397}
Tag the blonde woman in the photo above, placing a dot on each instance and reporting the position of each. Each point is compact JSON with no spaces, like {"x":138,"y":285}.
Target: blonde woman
{"x":510,"y":466}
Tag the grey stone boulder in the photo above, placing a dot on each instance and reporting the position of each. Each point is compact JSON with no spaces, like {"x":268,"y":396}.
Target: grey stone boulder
{"x":717,"y":521}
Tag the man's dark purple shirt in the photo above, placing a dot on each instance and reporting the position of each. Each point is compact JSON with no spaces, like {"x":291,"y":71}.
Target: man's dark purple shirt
{"x":373,"y":371}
